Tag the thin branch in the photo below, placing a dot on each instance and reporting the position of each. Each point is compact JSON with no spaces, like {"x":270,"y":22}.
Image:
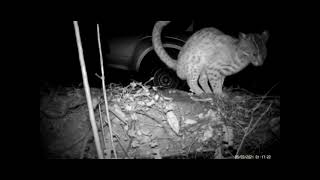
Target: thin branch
{"x":255,"y":124}
{"x":249,"y":130}
{"x":117,"y":115}
{"x":151,"y":79}
{"x":117,"y":136}
{"x":87,"y":90}
{"x":102,"y":129}
{"x":104,"y":93}
{"x":264,"y":96}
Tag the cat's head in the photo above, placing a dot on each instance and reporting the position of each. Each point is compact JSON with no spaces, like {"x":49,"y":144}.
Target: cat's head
{"x":254,"y":47}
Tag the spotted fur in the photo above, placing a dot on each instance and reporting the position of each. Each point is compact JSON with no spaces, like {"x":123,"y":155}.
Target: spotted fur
{"x":209,"y":55}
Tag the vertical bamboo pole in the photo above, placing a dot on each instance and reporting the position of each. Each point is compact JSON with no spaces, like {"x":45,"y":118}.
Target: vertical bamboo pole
{"x":87,"y":90}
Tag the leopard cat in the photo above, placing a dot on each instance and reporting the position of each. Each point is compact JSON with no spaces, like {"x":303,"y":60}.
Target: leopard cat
{"x":209,"y":55}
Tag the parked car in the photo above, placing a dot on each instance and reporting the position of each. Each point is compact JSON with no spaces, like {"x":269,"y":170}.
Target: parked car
{"x":134,"y":52}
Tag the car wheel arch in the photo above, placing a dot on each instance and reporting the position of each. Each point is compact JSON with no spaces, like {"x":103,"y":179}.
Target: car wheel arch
{"x":145,"y":47}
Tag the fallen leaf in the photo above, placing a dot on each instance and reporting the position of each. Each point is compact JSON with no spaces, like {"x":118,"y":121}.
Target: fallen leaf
{"x":150,"y":103}
{"x":119,"y":113}
{"x":190,"y":121}
{"x":166,"y":98}
{"x":135,"y":143}
{"x":133,"y":84}
{"x":139,"y":133}
{"x":170,"y":107}
{"x":156,"y":97}
{"x":133,"y":116}
{"x":144,"y":139}
{"x":132,"y":133}
{"x":145,"y":131}
{"x":173,"y":121}
{"x":128,"y":107}
{"x":201,"y":116}
{"x":208,"y":133}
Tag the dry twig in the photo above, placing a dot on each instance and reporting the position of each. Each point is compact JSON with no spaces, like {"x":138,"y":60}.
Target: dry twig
{"x":105,"y":94}
{"x":102,"y":129}
{"x":249,"y":130}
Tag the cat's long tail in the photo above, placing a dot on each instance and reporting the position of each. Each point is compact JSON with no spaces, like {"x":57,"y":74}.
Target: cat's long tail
{"x":158,"y":47}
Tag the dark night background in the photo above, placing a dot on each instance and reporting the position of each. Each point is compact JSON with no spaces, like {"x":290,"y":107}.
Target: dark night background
{"x":61,"y":64}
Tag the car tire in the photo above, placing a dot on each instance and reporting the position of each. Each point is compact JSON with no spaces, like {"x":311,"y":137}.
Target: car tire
{"x":165,"y":78}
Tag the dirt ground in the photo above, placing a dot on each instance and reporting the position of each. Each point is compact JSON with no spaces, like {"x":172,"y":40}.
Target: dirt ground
{"x":156,"y":124}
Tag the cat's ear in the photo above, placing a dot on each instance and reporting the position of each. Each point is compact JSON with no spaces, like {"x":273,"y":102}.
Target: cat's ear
{"x":265,"y":36}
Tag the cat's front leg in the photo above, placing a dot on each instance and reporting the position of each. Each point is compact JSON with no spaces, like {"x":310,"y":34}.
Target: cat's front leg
{"x":216,"y":80}
{"x":203,"y":81}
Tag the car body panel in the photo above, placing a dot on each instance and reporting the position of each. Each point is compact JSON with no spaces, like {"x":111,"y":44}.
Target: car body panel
{"x":121,"y":51}
{"x":127,"y":52}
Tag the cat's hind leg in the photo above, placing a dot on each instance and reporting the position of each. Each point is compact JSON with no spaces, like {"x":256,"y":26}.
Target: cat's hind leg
{"x":203,"y":81}
{"x":192,"y":81}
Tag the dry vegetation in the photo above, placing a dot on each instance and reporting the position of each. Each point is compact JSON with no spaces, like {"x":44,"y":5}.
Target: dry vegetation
{"x":151,"y":123}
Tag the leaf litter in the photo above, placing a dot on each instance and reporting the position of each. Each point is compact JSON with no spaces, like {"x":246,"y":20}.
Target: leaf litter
{"x":148,"y":122}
